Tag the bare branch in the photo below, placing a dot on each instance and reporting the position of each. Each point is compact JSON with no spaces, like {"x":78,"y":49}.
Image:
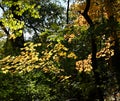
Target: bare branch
{"x":2,"y":8}
{"x":4,"y":29}
{"x":87,"y":6}
{"x":85,"y":13}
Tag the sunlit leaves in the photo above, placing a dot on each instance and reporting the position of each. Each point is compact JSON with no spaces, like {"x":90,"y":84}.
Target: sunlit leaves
{"x":14,"y":25}
{"x":63,"y":78}
{"x":84,"y":65}
{"x":69,"y":37}
{"x":64,"y":55}
{"x":12,"y":17}
{"x":72,"y":55}
{"x":98,"y":11}
{"x":29,"y":59}
{"x":60,"y":46}
{"x":23,"y":62}
{"x":22,"y":7}
{"x":52,"y":57}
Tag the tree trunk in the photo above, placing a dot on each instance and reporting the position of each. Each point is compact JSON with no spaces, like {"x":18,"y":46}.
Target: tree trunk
{"x":19,"y":41}
{"x":67,"y":15}
{"x":99,"y":92}
{"x":12,"y":46}
{"x":112,"y":22}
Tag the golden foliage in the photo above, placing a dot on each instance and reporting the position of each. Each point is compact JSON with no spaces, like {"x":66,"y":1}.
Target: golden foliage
{"x":72,"y":55}
{"x":30,"y":59}
{"x":98,"y":9}
{"x":80,"y":21}
{"x":63,"y":78}
{"x":112,"y":8}
{"x":26,"y":61}
{"x":85,"y":65}
{"x":69,"y":37}
{"x":106,"y":52}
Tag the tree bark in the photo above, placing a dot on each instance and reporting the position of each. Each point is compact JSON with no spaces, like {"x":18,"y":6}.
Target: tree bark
{"x":99,"y":92}
{"x":112,"y":23}
{"x":67,"y":15}
{"x":115,"y":47}
{"x":19,"y":41}
{"x":12,"y":46}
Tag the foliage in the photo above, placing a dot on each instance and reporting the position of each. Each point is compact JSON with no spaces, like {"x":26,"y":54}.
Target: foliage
{"x":24,"y":87}
{"x":59,"y":65}
{"x":9,"y":19}
{"x":51,"y":14}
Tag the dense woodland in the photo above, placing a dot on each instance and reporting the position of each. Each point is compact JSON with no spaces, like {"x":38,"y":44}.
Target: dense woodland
{"x":53,"y":50}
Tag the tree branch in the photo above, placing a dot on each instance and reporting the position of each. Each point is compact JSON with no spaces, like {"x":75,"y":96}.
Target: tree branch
{"x":4,"y":29}
{"x":1,"y":24}
{"x":87,"y":6}
{"x":94,"y":50}
{"x":2,"y":8}
{"x":67,"y":20}
{"x":85,"y":13}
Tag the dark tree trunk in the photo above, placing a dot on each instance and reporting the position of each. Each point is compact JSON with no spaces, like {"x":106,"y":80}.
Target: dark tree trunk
{"x":19,"y":41}
{"x":99,"y":92}
{"x":12,"y":46}
{"x":67,"y":15}
{"x":116,"y":48}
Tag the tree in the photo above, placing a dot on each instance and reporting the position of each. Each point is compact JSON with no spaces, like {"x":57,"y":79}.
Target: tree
{"x":51,"y":14}
{"x":28,"y":19}
{"x":106,"y":13}
{"x":12,"y":23}
{"x":113,"y":24}
{"x":77,"y":61}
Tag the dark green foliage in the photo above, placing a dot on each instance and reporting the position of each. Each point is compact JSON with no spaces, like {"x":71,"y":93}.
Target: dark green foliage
{"x":47,"y":72}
